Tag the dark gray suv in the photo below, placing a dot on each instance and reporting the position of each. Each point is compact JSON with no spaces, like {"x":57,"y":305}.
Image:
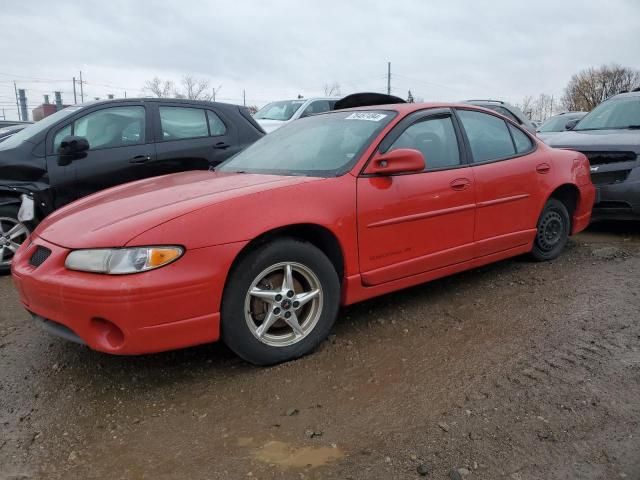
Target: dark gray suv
{"x":610,"y":138}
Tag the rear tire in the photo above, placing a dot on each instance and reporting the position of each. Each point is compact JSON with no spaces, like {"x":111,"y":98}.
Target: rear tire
{"x":280,"y":302}
{"x":552,"y":232}
{"x":12,"y":235}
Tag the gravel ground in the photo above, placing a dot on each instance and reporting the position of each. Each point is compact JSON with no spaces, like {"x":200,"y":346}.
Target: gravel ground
{"x":517,"y":370}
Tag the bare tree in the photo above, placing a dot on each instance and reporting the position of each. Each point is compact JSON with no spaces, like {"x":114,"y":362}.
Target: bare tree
{"x":539,"y":108}
{"x":332,"y":90}
{"x":526,"y":105}
{"x":195,"y":88}
{"x":159,"y":88}
{"x":589,"y":87}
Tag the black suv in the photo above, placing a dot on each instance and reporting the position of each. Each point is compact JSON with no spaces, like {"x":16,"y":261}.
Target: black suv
{"x":93,"y":146}
{"x":610,"y":138}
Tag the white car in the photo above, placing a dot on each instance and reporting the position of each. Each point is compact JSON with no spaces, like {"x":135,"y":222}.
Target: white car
{"x":276,"y":114}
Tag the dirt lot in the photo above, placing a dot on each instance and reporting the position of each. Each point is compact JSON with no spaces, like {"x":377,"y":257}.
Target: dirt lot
{"x":517,"y":370}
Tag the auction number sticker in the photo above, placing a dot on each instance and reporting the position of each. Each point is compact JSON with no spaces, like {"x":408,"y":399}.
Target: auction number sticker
{"x":370,"y":116}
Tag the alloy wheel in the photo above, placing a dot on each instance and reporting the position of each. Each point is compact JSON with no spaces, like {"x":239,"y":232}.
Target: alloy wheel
{"x":12,"y":235}
{"x":283,"y":304}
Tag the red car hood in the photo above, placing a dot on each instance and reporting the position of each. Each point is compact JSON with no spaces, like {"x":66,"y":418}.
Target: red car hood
{"x":112,"y":217}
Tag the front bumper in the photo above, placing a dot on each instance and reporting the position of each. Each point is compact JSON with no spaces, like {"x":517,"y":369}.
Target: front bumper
{"x":27,"y":209}
{"x":173,"y":307}
{"x":619,"y":201}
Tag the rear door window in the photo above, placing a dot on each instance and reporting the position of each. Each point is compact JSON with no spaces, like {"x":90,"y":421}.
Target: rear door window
{"x":506,"y":113}
{"x":488,"y":136}
{"x":179,"y":123}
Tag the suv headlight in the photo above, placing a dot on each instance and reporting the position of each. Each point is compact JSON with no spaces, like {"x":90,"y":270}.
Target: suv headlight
{"x":121,"y":261}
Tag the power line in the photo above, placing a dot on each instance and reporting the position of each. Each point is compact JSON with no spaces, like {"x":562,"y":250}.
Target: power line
{"x":40,"y":79}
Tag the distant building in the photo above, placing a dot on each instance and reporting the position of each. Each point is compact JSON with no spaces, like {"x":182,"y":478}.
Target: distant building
{"x":46,"y":109}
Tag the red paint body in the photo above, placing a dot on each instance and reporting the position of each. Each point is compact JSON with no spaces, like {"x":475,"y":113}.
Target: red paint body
{"x":393,"y":232}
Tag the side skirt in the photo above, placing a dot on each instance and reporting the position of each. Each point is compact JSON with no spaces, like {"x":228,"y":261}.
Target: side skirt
{"x":355,"y":291}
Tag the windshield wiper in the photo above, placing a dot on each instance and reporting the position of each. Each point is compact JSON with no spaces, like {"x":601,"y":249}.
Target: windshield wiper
{"x":633,"y":127}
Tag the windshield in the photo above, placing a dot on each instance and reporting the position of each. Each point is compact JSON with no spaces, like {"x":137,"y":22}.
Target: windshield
{"x":279,"y":110}
{"x":37,"y":127}
{"x":557,"y":123}
{"x":320,"y":146}
{"x":622,"y":112}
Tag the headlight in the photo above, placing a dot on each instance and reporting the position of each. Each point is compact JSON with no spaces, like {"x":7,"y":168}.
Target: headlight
{"x":120,"y":261}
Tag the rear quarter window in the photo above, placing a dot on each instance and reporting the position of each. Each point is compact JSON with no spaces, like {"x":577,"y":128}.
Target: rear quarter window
{"x":521,"y":140}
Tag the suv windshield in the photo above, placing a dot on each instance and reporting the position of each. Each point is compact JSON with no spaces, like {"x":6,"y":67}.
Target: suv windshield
{"x":279,"y":110}
{"x":557,"y":123}
{"x":621,"y":112}
{"x":37,"y":127}
{"x":325,"y":145}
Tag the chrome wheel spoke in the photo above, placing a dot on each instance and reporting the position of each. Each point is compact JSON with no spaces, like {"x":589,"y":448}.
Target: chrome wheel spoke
{"x":287,"y":281}
{"x":18,"y":230}
{"x":267,"y":324}
{"x":2,"y":254}
{"x":13,"y":246}
{"x":306,"y":297}
{"x":293,"y":322}
{"x":268,"y":296}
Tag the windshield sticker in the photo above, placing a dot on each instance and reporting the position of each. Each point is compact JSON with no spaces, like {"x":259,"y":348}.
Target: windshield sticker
{"x":370,"y":116}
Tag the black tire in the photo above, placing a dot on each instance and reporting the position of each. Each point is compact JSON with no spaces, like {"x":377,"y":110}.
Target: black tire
{"x":237,"y":327}
{"x":8,"y":215}
{"x":553,"y":228}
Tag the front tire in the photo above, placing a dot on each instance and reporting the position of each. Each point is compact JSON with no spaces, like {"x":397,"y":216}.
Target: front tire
{"x":280,"y":302}
{"x":552,"y":232}
{"x":12,"y":235}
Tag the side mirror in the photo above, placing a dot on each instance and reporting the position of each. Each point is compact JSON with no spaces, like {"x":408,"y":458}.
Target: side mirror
{"x":72,"y":148}
{"x":570,"y":124}
{"x":402,"y":160}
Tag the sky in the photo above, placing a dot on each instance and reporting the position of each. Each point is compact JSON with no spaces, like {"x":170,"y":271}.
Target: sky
{"x":278,"y":49}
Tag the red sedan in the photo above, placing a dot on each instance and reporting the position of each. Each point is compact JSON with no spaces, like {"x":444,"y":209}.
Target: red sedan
{"x":330,"y":210}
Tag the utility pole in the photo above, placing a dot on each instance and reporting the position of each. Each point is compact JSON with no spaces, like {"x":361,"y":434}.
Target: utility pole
{"x":215,"y":91}
{"x":4,"y":117}
{"x":388,"y":78}
{"x":244,"y":98}
{"x":81,"y":90}
{"x":75,"y":98}
{"x":17,"y":102}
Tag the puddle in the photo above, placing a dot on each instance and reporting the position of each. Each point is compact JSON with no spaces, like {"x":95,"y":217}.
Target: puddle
{"x":283,"y":454}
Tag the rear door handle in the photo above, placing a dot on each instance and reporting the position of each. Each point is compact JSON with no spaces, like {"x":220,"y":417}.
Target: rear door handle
{"x":140,"y":159}
{"x":221,"y":145}
{"x":543,"y":168}
{"x":460,"y":184}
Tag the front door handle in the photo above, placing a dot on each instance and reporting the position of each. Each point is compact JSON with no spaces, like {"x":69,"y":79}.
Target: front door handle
{"x":140,"y":159}
{"x":221,"y":145}
{"x":460,"y":184}
{"x":543,"y":168}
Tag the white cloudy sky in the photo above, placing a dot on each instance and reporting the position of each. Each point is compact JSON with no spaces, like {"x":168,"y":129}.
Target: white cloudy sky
{"x":441,"y":50}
